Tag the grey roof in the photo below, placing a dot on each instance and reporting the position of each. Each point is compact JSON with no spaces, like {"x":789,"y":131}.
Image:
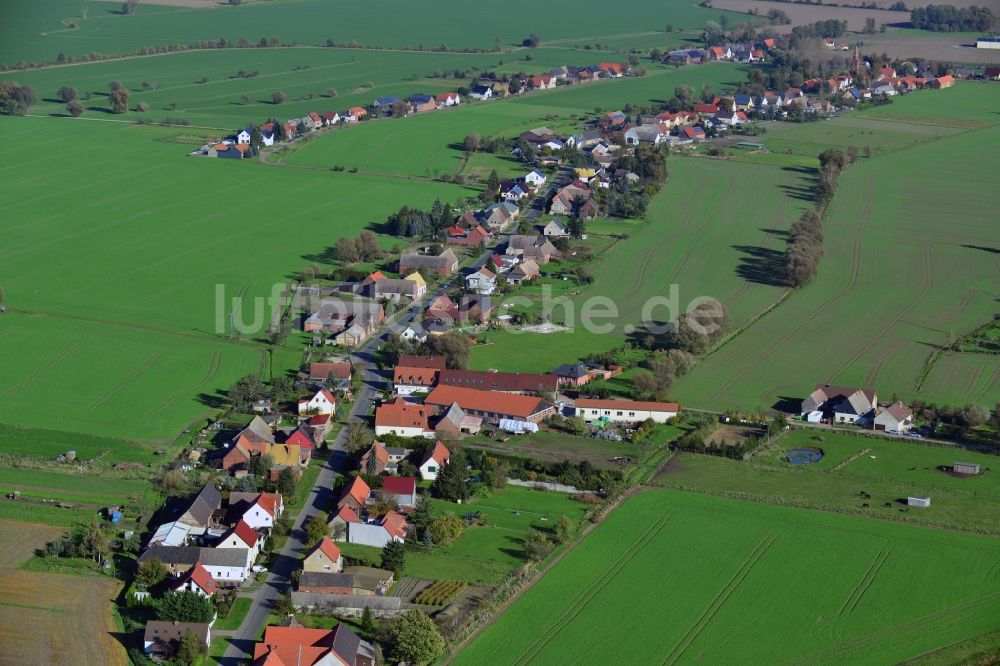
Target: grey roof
{"x":454,"y":415}
{"x":258,"y":427}
{"x":345,"y":643}
{"x":188,"y":555}
{"x":325,"y":579}
{"x":855,"y":403}
{"x":200,"y":511}
{"x":396,"y":286}
{"x":570,"y":370}
{"x":444,"y":260}
{"x":166,"y":633}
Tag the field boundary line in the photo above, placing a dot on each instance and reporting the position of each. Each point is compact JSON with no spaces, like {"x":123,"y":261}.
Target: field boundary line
{"x":581,"y":601}
{"x":871,"y":579}
{"x":844,"y":463}
{"x":691,"y":635}
{"x":140,"y":368}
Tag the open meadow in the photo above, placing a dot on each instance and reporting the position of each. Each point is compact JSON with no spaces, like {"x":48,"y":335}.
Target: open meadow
{"x":35,"y":31}
{"x":908,"y":262}
{"x":888,"y":470}
{"x":710,"y":580}
{"x":111,"y":281}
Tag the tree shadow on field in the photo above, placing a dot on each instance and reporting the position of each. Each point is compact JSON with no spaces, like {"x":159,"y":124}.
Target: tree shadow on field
{"x":215,"y":400}
{"x":780,"y":233}
{"x":761,"y":265}
{"x":984,"y":248}
{"x":787,"y":404}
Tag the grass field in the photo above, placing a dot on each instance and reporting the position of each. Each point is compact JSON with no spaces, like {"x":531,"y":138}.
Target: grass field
{"x":899,"y":469}
{"x":735,"y":214}
{"x":40,"y":443}
{"x":112,"y":282}
{"x":702,"y":579}
{"x":905,"y":266}
{"x":33,"y":32}
{"x":485,"y":554}
{"x":52,"y":618}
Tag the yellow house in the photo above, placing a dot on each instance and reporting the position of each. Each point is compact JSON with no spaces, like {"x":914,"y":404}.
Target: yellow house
{"x":584,"y":173}
{"x":323,"y":558}
{"x":420,"y":282}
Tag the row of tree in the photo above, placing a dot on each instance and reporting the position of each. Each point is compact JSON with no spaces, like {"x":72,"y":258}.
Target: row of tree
{"x":364,"y":247}
{"x":948,"y":18}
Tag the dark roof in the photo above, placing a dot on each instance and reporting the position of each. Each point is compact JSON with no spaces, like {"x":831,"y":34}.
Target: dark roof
{"x":222,"y":557}
{"x":167,"y":635}
{"x":345,"y":643}
{"x":325,"y":579}
{"x":499,"y":381}
{"x":573,"y":371}
{"x":204,"y":505}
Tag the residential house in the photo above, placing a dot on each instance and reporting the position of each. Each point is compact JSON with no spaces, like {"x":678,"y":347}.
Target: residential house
{"x":258,"y":510}
{"x":612,"y":120}
{"x":162,"y":638}
{"x":625,"y":411}
{"x":570,"y":198}
{"x":324,"y":557}
{"x":197,"y":580}
{"x":843,"y":404}
{"x":535,"y":178}
{"x":408,"y":380}
{"x":355,"y":496}
{"x":380,"y":531}
{"x":447,"y":99}
{"x":442,"y":309}
{"x":720,"y":53}
{"x":442,"y":264}
{"x":491,"y":405}
{"x":321,"y":403}
{"x":297,"y":646}
{"x":474,"y":236}
{"x":483,"y":281}
{"x":391,"y":289}
{"x":946,"y":81}
{"x":198,"y":515}
{"x":743,"y":102}
{"x":242,"y":537}
{"x":333,"y":375}
{"x":575,"y":374}
{"x":331,"y":118}
{"x":538,"y":248}
{"x":538,"y":136}
{"x":402,"y":489}
{"x":694,"y":133}
{"x":354,"y":114}
{"x":652,"y":134}
{"x":614,"y":70}
{"x":481,"y":92}
{"x":526,"y":270}
{"x":403,"y":418}
{"x":230,"y":567}
{"x":434,"y":459}
{"x":555,"y":228}
{"x":542,"y":82}
{"x":896,"y":417}
{"x":419,"y":103}
{"x":414,"y":333}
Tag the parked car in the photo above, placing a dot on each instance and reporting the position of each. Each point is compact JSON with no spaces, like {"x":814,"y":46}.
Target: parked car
{"x":914,"y":435}
{"x":257,"y":568}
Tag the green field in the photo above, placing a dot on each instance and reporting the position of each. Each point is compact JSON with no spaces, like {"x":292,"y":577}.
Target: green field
{"x":35,"y":31}
{"x":111,"y":281}
{"x":905,"y":266}
{"x":701,"y":579}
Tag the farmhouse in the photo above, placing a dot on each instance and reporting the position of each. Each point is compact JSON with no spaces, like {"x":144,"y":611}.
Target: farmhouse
{"x":483,"y":281}
{"x":391,"y":527}
{"x":407,"y":380}
{"x":284,"y":646}
{"x":491,"y":405}
{"x":507,"y":382}
{"x":333,"y":375}
{"x":442,"y":264}
{"x":625,"y":411}
{"x":258,"y":510}
{"x":386,"y":459}
{"x":197,"y":580}
{"x":526,"y":270}
{"x":555,"y":228}
{"x":355,"y":496}
{"x":455,"y":423}
{"x":843,"y":404}
{"x":401,"y":489}
{"x":896,"y":417}
{"x":412,"y":287}
{"x":447,"y":99}
{"x":228,"y":566}
{"x":404,"y":419}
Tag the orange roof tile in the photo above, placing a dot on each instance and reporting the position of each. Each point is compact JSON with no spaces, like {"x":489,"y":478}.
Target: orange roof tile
{"x":400,"y":413}
{"x":494,"y":402}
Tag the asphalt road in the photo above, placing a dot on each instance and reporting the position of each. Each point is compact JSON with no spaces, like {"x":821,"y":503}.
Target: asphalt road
{"x":288,"y":559}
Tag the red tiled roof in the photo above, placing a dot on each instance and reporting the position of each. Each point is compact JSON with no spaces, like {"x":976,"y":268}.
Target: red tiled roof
{"x":628,"y":404}
{"x":499,"y":381}
{"x":246,"y":533}
{"x":359,"y":490}
{"x":328,"y":548}
{"x":301,"y":439}
{"x":200,"y":576}
{"x":439,"y":453}
{"x":493,"y":402}
{"x":348,"y":515}
{"x":395,"y":523}
{"x":323,"y":370}
{"x":357,"y":111}
{"x":443,"y":97}
{"x":270,"y":502}
{"x":399,"y":485}
{"x":319,"y":421}
{"x":436,"y":362}
{"x":415,"y":376}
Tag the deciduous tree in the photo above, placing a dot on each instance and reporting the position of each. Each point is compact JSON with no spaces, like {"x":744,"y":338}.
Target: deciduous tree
{"x":415,"y":638}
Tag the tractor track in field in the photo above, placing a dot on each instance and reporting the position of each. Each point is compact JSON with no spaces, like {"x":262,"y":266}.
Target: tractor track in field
{"x":842,"y":650}
{"x":720,"y":599}
{"x":141,"y":367}
{"x":866,"y":582}
{"x":993,"y":382}
{"x":880,"y":360}
{"x":213,"y":369}
{"x":973,"y":378}
{"x":7,"y":332}
{"x":581,"y":602}
{"x":648,"y":254}
{"x":851,"y":282}
{"x":48,"y":365}
{"x":875,"y":337}
{"x":745,"y":287}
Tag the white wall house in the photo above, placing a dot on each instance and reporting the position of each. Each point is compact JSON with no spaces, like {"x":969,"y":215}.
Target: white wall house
{"x":626,"y":411}
{"x":483,"y":281}
{"x":321,"y":403}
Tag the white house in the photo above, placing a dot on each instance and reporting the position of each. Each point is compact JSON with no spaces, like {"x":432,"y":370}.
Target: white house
{"x":402,"y":489}
{"x":436,"y":457}
{"x":227,"y":566}
{"x":197,"y":580}
{"x":555,"y":228}
{"x":535,"y":178}
{"x":378,"y":533}
{"x":243,"y":136}
{"x":258,"y":510}
{"x":321,"y":403}
{"x":447,"y":99}
{"x":481,"y":92}
{"x":896,"y":416}
{"x":403,"y":418}
{"x":242,"y":536}
{"x":415,"y":333}
{"x":483,"y":281}
{"x":643,"y":134}
{"x":853,"y":407}
{"x":626,"y":411}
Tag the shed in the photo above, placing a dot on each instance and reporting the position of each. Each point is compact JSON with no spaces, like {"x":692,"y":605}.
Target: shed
{"x":922,"y":501}
{"x":965,"y":468}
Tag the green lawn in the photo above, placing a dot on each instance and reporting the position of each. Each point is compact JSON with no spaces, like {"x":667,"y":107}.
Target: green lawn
{"x":559,"y":446}
{"x":484,"y":554}
{"x":235,"y":618}
{"x":48,"y":444}
{"x":698,"y":578}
